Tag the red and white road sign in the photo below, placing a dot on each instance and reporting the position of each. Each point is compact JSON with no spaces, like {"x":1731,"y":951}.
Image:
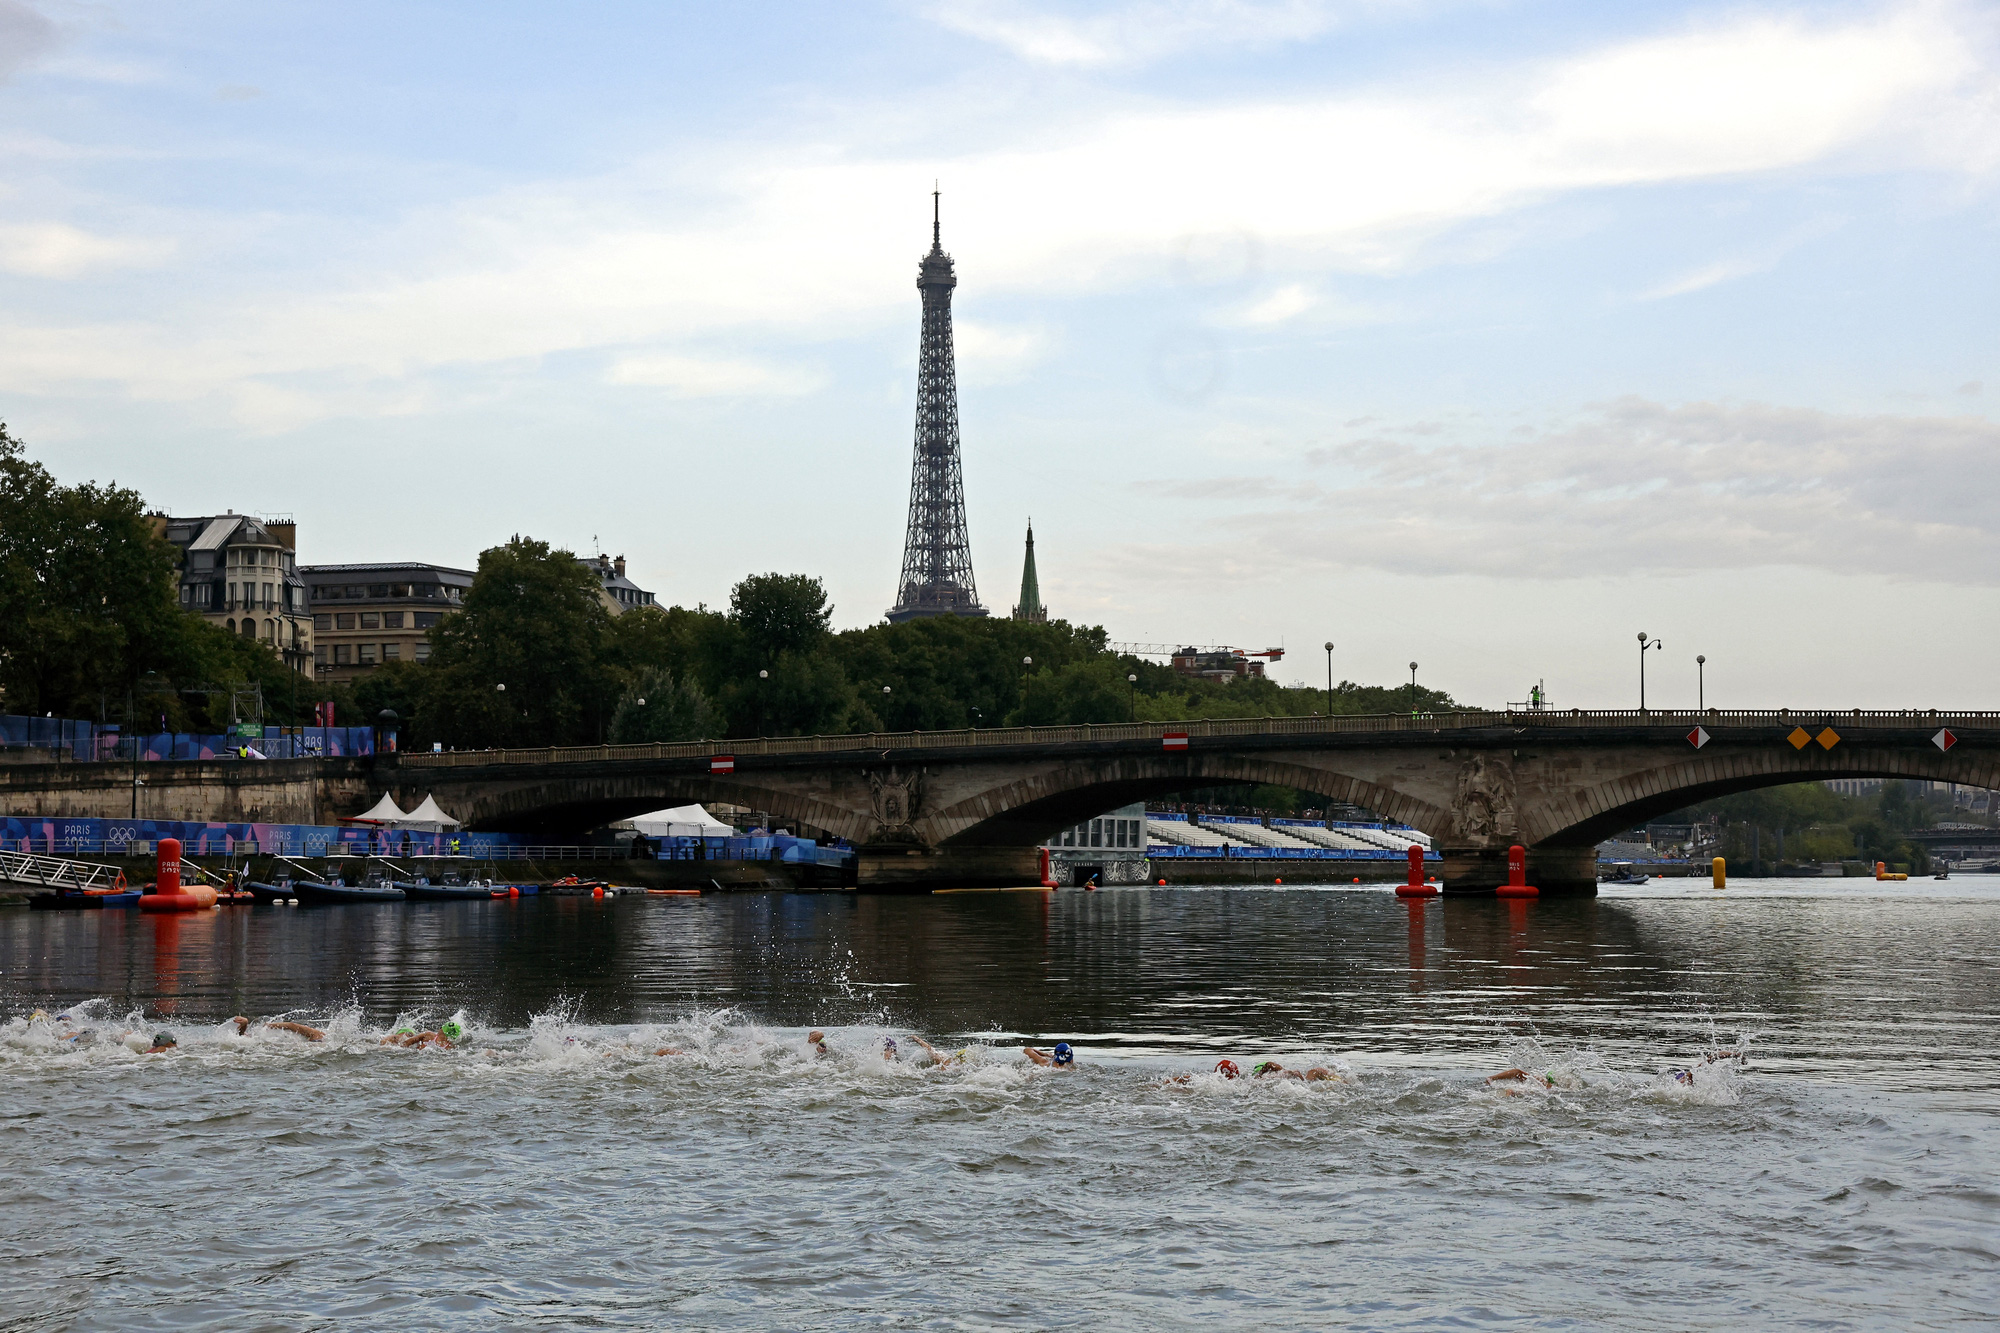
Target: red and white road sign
{"x":722,"y":763}
{"x":1944,"y":740}
{"x":1174,"y":740}
{"x":1698,"y":738}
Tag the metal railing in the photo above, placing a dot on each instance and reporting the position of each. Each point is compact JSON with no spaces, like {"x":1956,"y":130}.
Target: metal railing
{"x":994,"y":738}
{"x":55,"y":873}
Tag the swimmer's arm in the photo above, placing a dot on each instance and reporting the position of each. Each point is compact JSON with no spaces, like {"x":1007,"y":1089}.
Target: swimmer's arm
{"x":1321,"y":1074}
{"x":1507,"y":1075}
{"x":242,"y":1024}
{"x":1039,"y":1057}
{"x":668,"y":1050}
{"x":298,"y":1029}
{"x":929,"y":1049}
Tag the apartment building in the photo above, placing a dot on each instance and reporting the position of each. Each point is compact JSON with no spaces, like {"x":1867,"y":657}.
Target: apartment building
{"x":618,"y":593}
{"x":365,"y":615}
{"x":241,"y":573}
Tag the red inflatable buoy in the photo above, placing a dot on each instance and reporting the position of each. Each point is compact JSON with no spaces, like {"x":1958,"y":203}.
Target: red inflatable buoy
{"x":1416,"y":888}
{"x":1517,"y":885}
{"x":167,"y":894}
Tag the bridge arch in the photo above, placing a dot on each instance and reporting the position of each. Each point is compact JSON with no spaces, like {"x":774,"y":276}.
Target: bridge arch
{"x":565,"y":806}
{"x":1029,"y":808}
{"x":1590,"y":814}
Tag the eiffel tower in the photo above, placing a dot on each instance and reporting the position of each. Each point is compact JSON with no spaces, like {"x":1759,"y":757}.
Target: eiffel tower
{"x":937,"y":554}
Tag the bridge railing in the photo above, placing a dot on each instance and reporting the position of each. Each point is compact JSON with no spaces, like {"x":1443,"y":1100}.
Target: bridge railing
{"x":995,"y":738}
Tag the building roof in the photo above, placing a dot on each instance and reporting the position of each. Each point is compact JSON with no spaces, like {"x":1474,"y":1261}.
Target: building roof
{"x":314,"y":570}
{"x":215,"y":533}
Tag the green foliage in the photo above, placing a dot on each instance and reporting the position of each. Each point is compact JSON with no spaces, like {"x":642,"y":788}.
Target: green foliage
{"x":658,"y":706}
{"x":527,"y":661}
{"x":90,"y":609}
{"x":1818,"y":824}
{"x":780,"y":613}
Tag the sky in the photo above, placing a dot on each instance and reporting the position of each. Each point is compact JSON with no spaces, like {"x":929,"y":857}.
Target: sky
{"x":1484,"y":334}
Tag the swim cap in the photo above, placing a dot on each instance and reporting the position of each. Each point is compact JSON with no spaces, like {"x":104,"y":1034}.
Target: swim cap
{"x":1063,"y":1053}
{"x":1227,"y":1068}
{"x":1258,"y":1069}
{"x":164,"y":1039}
{"x":404,"y":1032}
{"x":450,"y":1029}
{"x":888,"y":1045}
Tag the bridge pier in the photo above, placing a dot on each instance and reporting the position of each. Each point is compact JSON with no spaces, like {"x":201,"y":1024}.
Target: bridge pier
{"x":1556,"y":871}
{"x":909,"y":869}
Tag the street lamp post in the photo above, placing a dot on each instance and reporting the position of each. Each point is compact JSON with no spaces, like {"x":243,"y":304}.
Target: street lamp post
{"x":1329,"y":677}
{"x":1700,"y":683}
{"x":762,"y":676}
{"x":1413,"y":689}
{"x":1131,"y":696}
{"x":1643,"y":646}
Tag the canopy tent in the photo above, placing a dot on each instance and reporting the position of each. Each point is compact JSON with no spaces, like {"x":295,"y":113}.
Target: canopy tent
{"x":428,"y":817}
{"x":385,"y":811}
{"x":683,"y":821}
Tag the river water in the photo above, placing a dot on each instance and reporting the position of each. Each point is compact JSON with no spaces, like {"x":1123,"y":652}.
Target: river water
{"x":554,"y":1172}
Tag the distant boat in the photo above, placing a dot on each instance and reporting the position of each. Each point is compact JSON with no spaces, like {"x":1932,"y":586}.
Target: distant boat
{"x":450,"y":888}
{"x":328,"y":893}
{"x":1624,"y":875}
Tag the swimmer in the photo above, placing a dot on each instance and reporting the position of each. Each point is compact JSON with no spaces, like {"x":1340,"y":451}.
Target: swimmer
{"x":889,"y":1050}
{"x":669,"y":1050}
{"x":449,"y":1032}
{"x":816,"y":1044}
{"x":1062,"y":1057}
{"x":163,"y":1042}
{"x":296,"y":1029}
{"x":1521,"y":1076}
{"x":1272,"y":1069}
{"x":938,"y":1057}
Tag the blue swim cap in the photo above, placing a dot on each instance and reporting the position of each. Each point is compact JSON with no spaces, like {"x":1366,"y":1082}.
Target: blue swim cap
{"x":889,"y":1045}
{"x":1063,"y":1053}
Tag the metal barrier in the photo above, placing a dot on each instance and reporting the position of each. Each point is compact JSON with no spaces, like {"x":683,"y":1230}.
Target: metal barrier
{"x":994,"y":738}
{"x":55,"y":873}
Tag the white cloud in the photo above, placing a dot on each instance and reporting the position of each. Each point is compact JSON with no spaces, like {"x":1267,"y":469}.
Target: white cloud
{"x":820,"y":241}
{"x":1281,"y":305}
{"x":56,"y":250}
{"x":702,"y":377}
{"x":994,"y":354}
{"x":1135,"y":32}
{"x":1641,"y":489}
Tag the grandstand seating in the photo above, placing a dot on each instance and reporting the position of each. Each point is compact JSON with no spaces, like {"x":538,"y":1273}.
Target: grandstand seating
{"x":1258,"y":836}
{"x":1396,"y":840}
{"x":1338,"y":839}
{"x":1176,"y":833}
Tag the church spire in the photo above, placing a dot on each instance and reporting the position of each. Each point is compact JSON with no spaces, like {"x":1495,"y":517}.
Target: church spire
{"x":1031,"y":607}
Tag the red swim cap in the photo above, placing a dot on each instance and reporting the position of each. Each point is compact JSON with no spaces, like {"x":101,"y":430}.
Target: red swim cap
{"x":1227,"y":1068}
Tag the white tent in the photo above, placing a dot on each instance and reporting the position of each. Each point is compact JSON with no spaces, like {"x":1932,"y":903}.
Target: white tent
{"x":428,"y":817}
{"x":683,"y":821}
{"x":385,"y":811}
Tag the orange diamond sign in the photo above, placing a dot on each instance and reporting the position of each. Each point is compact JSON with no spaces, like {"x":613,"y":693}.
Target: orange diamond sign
{"x":1828,"y":739}
{"x":1799,"y":738}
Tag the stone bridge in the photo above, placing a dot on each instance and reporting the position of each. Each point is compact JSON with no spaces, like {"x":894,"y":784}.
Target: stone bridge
{"x":962,"y":808}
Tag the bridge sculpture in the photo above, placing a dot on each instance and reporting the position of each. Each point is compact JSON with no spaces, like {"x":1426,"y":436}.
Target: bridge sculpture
{"x":968,"y":808}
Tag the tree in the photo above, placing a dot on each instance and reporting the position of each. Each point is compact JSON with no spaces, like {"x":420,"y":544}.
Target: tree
{"x":660,"y":707}
{"x":89,"y":607}
{"x":532,"y":623}
{"x":780,"y":613}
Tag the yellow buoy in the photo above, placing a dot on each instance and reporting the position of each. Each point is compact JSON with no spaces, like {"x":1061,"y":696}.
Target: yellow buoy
{"x":1720,"y":868}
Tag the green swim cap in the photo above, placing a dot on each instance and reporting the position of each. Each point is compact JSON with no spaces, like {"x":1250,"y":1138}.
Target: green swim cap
{"x":164,"y":1039}
{"x":450,"y":1029}
{"x":404,"y":1032}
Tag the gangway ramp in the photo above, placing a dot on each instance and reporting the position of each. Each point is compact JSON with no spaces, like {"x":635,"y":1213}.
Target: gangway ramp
{"x":27,"y":871}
